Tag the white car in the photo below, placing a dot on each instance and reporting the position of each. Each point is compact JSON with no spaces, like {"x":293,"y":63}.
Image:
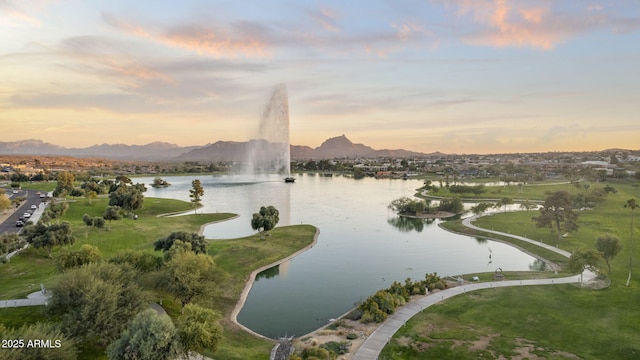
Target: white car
{"x":26,"y":215}
{"x":34,"y":206}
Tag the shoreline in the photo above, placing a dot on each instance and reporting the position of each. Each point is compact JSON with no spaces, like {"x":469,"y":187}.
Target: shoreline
{"x":249,"y":284}
{"x":368,"y":329}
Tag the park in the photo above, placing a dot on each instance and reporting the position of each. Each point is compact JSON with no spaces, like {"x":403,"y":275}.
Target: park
{"x":236,"y":259}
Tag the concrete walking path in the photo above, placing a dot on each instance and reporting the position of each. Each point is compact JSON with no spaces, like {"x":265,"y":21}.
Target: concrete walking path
{"x":34,"y":299}
{"x":374,"y":344}
{"x":468,"y":223}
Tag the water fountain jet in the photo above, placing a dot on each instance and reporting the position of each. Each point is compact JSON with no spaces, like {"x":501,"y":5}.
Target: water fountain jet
{"x":271,"y":152}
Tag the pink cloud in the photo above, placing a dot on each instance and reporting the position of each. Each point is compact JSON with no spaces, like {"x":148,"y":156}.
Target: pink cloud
{"x":245,"y":41}
{"x":536,"y":24}
{"x":13,"y":11}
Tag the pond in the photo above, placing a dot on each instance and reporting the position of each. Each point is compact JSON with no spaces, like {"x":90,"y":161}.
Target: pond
{"x":362,"y":247}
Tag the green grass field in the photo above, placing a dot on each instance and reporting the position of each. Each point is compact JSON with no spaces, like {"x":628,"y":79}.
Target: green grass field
{"x":237,"y":257}
{"x":494,"y":193}
{"x":544,"y":322}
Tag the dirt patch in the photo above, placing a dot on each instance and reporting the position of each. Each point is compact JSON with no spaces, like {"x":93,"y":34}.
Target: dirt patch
{"x":339,"y":334}
{"x":404,"y":341}
{"x":482,"y":343}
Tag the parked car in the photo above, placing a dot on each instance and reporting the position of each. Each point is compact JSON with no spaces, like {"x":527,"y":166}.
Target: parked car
{"x":26,"y":215}
{"x":19,"y":223}
{"x":34,"y":206}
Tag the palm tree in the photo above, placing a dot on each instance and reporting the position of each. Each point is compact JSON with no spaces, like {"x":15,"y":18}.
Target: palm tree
{"x":632,"y":204}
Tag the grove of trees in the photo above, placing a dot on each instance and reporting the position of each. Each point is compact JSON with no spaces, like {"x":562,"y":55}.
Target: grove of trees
{"x":96,"y":301}
{"x":48,"y":236}
{"x":198,"y":242}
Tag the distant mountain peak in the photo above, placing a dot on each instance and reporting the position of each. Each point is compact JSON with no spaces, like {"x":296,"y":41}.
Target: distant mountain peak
{"x":336,"y":142}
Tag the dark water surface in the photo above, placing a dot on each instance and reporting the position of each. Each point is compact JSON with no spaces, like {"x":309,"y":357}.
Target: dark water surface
{"x":363,"y":247}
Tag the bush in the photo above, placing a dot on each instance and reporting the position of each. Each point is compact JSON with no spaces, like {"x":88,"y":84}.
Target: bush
{"x":352,"y":336}
{"x":139,"y":260}
{"x":339,"y":348}
{"x":87,"y":254}
{"x":453,"y":205}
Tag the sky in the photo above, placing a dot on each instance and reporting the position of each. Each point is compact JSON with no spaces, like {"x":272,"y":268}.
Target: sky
{"x":456,"y":76}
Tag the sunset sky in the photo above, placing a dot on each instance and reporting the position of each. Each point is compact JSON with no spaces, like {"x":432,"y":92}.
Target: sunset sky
{"x":457,"y":76}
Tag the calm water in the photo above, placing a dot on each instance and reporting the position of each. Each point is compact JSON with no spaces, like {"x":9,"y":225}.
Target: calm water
{"x":362,"y":247}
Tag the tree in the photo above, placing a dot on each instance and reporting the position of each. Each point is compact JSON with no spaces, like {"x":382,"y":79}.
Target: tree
{"x":65,"y":183}
{"x":266,"y":219}
{"x":188,"y":274}
{"x":54,"y":211}
{"x":527,"y":205}
{"x":48,"y":236}
{"x":111,"y":213}
{"x":608,"y":246}
{"x":407,"y":206}
{"x":198,"y":329}
{"x":128,"y":197}
{"x":10,"y":242}
{"x":504,"y":202}
{"x":196,"y":194}
{"x":87,"y":220}
{"x":453,"y":205}
{"x":90,"y":195}
{"x":57,"y":345}
{"x":159,"y":182}
{"x":482,"y":207}
{"x":198,"y":242}
{"x":149,"y":336}
{"x":557,"y":211}
{"x":633,"y":205}
{"x":97,"y":300}
{"x":5,"y":202}
{"x":581,"y":261}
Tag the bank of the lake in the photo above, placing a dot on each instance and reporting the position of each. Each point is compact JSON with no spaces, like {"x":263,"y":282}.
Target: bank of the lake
{"x":237,"y":257}
{"x":559,"y":321}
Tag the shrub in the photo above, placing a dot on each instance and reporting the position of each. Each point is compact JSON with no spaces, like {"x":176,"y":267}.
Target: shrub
{"x":139,"y":260}
{"x":339,"y":348}
{"x":352,"y":336}
{"x":87,"y":254}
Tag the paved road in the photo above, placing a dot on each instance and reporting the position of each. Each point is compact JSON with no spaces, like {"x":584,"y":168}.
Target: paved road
{"x":9,"y":224}
{"x":372,"y":346}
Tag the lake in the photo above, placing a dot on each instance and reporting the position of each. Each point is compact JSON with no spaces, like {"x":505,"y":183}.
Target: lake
{"x":362,"y":247}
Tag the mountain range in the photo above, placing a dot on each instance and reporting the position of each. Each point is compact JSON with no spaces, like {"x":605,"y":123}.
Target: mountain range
{"x":335,"y":147}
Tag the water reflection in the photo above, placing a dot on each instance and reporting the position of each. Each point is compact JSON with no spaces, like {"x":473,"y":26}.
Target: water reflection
{"x":408,"y":224}
{"x":361,"y":244}
{"x":269,"y":273}
{"x":481,"y":240}
{"x":538,"y":265}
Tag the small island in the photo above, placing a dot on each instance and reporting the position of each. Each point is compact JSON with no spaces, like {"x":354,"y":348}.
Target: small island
{"x":158,"y":183}
{"x":423,"y":209}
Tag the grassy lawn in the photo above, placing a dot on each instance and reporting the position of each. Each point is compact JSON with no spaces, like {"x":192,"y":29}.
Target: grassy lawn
{"x":550,"y":322}
{"x":494,"y":193}
{"x":40,"y":186}
{"x":237,"y":257}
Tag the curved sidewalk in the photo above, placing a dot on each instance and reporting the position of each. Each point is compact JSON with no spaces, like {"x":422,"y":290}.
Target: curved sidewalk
{"x":467,"y":222}
{"x":33,"y":299}
{"x":372,"y":346}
